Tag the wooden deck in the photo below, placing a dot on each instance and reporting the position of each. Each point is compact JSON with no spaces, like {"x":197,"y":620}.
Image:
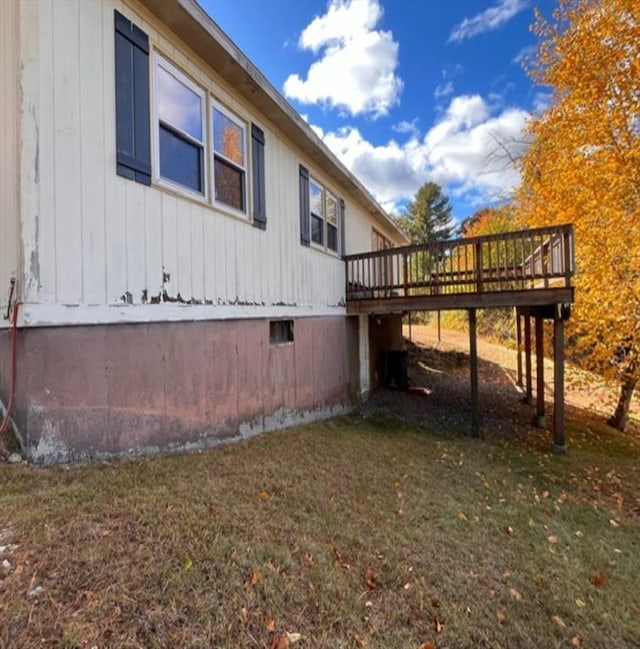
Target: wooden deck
{"x":523,"y":268}
{"x":530,"y":270}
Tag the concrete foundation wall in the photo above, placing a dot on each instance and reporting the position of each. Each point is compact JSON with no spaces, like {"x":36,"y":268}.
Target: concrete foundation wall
{"x":96,"y":391}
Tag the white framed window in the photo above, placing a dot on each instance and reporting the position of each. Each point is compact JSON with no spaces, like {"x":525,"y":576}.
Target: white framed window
{"x":324,"y":215}
{"x":316,"y":207}
{"x":230,"y":159}
{"x":331,"y":211}
{"x":180,"y":117}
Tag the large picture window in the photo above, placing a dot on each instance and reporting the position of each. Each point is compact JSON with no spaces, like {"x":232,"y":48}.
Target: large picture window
{"x":180,"y":112}
{"x":229,"y":159}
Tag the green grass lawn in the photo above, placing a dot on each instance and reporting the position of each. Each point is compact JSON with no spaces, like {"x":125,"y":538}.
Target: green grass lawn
{"x":351,"y":533}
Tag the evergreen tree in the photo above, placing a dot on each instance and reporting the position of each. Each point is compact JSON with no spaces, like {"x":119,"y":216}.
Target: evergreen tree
{"x":428,"y":215}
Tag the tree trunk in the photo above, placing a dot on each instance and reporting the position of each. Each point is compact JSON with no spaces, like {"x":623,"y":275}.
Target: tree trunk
{"x":621,"y":415}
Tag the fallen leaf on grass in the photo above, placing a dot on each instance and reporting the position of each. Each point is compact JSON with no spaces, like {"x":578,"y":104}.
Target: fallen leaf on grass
{"x":515,"y":594}
{"x":575,"y":641}
{"x":558,"y":621}
{"x":280,"y":642}
{"x":270,"y":625}
{"x":244,"y":614}
{"x":264,"y":495}
{"x":188,"y":564}
{"x":501,"y":617}
{"x":370,"y":579}
{"x":613,"y":522}
{"x":598,"y":579}
{"x":439,"y":626}
{"x":580,"y":603}
{"x":255,"y":578}
{"x":508,"y":530}
{"x":294,"y":637}
{"x":462,"y":516}
{"x":552,"y":539}
{"x":360,"y":640}
{"x":427,"y":645}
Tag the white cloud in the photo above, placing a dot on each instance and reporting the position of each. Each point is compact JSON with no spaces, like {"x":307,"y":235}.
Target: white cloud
{"x":488,"y":20}
{"x":541,"y":101}
{"x":356,"y":68}
{"x":443,"y":90}
{"x":463,"y":152}
{"x":406,"y":127}
{"x":524,"y":54}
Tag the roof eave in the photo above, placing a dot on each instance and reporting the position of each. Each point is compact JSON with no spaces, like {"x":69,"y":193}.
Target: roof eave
{"x":193,"y":25}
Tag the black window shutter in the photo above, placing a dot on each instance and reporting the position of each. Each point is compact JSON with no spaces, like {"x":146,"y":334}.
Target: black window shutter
{"x":133,"y":118}
{"x":257,"y":158}
{"x":305,"y":216}
{"x":343,"y":246}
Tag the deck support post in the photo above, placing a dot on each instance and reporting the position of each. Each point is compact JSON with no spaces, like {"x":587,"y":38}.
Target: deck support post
{"x":473,"y":365}
{"x":519,"y":382}
{"x":539,"y":419}
{"x":558,"y":382}
{"x":527,"y":359}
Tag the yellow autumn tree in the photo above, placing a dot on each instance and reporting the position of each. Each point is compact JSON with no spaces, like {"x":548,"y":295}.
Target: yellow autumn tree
{"x":583,"y":167}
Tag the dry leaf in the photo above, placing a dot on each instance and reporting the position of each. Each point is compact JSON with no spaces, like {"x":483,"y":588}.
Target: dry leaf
{"x":613,"y":522}
{"x":439,"y":626}
{"x":264,"y":495}
{"x":280,"y":642}
{"x":359,"y":639}
{"x":294,"y":637}
{"x":575,"y":641}
{"x":558,"y":621}
{"x":462,"y":516}
{"x":598,"y":579}
{"x":188,"y":564}
{"x":255,"y":578}
{"x":427,"y":645}
{"x":270,"y":625}
{"x":515,"y":594}
{"x":370,"y":579}
{"x":508,"y":530}
{"x":580,"y":603}
{"x":244,"y":614}
{"x":501,"y":617}
{"x":552,"y":539}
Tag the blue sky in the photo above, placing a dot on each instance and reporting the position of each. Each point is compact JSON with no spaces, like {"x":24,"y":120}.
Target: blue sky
{"x":403,"y":91}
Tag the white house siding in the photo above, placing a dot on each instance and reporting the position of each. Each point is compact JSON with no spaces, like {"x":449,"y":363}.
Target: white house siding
{"x":99,"y":240}
{"x":9,"y":142}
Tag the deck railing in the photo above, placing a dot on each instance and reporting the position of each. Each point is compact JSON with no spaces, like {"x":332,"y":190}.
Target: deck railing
{"x":509,"y":261}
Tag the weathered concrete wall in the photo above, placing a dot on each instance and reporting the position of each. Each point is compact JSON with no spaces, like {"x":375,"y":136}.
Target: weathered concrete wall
{"x":95,"y":391}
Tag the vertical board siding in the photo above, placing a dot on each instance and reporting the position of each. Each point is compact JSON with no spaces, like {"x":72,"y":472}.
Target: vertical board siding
{"x":105,"y":240}
{"x":43,"y":277}
{"x":68,"y":150}
{"x":9,"y":143}
{"x":92,"y":123}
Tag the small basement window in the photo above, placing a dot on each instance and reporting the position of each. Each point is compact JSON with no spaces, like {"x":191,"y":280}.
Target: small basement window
{"x":280,"y":331}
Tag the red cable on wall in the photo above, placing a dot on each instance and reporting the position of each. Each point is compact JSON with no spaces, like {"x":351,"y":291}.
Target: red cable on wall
{"x":12,"y":389}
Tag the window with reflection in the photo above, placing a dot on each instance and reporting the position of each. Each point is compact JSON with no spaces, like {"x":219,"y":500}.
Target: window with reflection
{"x":316,"y":206}
{"x":332,"y":222}
{"x":180,"y":112}
{"x":229,"y":159}
{"x":324,"y":214}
